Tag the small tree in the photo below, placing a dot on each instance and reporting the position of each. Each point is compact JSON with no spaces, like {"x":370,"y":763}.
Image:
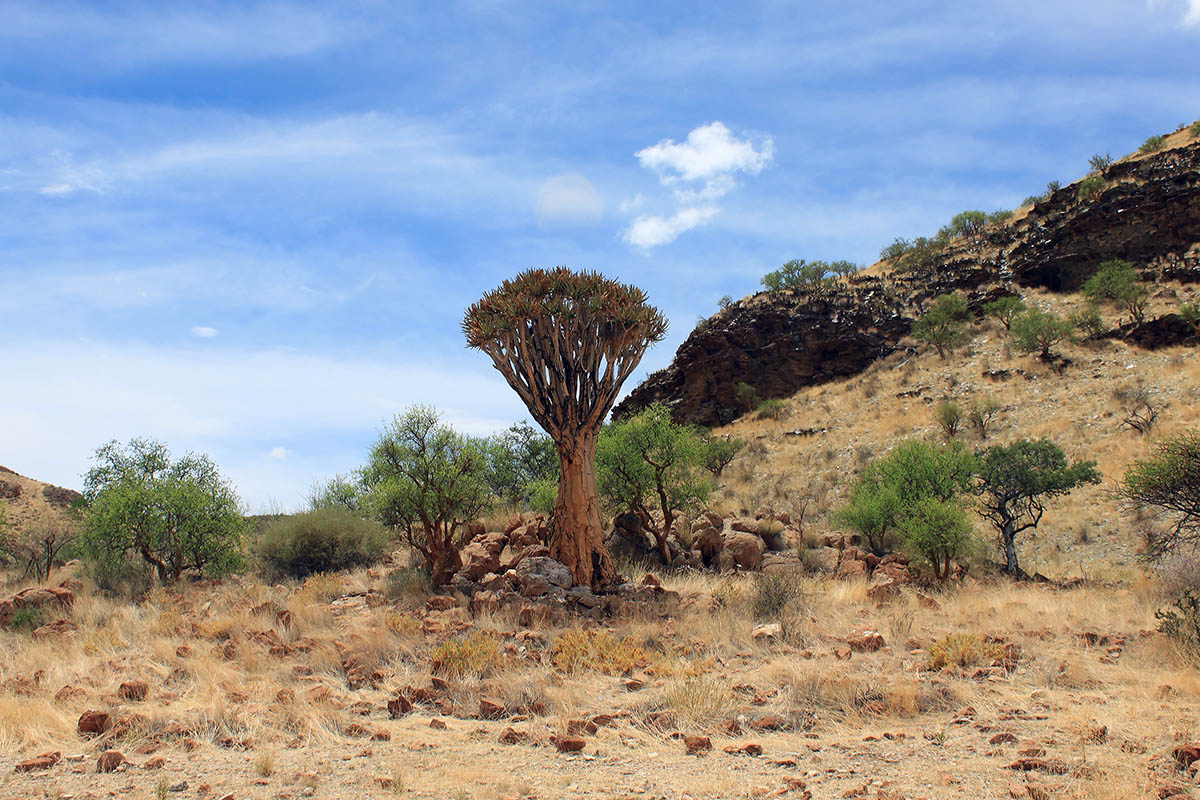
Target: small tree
{"x":1091,"y":187}
{"x":647,"y":461}
{"x":340,"y":491}
{"x":1169,"y":481}
{"x":721,"y":452}
{"x":746,"y":395}
{"x":944,"y":324}
{"x":1005,"y":309}
{"x":41,"y":544}
{"x":949,"y":416}
{"x":982,"y":415}
{"x":796,"y":274}
{"x":176,"y":516}
{"x":1194,"y":129}
{"x":939,"y":531}
{"x":1117,"y":282}
{"x":1088,"y":321}
{"x":1100,"y":162}
{"x":971,"y":226}
{"x":566,"y":341}
{"x":517,"y":457}
{"x":426,"y":481}
{"x":1013,"y":483}
{"x":920,"y":254}
{"x":1036,"y":331}
{"x":890,"y":486}
{"x":1190,"y":313}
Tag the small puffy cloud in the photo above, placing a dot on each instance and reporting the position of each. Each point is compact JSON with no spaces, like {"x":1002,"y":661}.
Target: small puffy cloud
{"x":700,"y":171}
{"x":203,"y":332}
{"x":57,"y":189}
{"x":279,"y":453}
{"x":1192,"y":16}
{"x":568,"y":199}
{"x":651,"y":231}
{"x":711,"y":151}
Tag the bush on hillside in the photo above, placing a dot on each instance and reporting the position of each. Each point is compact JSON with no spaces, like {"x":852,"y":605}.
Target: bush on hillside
{"x":944,"y":325}
{"x":799,"y":274}
{"x":949,"y":416}
{"x":1088,"y":322}
{"x":1004,"y":309}
{"x":1194,"y":130}
{"x":1100,"y":162}
{"x":1169,"y":482}
{"x":325,"y":540}
{"x":982,"y":415}
{"x":1117,"y":282}
{"x":919,"y":254}
{"x":1091,"y":187}
{"x":773,"y":408}
{"x":1153,"y":144}
{"x":1037,"y":331}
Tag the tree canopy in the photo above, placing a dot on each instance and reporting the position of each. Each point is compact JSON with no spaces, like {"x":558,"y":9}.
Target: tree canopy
{"x":1169,"y":481}
{"x":175,"y":515}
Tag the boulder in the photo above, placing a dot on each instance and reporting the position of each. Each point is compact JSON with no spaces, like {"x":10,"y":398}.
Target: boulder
{"x":109,"y":761}
{"x":852,"y":568}
{"x":542,"y":568}
{"x":709,"y":541}
{"x":883,"y":588}
{"x":865,"y":640}
{"x":43,"y":598}
{"x":133,"y":690}
{"x":696,"y":745}
{"x":482,"y":555}
{"x":746,"y":550}
{"x":94,"y":723}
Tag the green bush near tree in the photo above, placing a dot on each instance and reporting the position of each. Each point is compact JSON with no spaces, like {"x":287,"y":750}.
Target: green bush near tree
{"x":1004,"y":309}
{"x":944,"y":325}
{"x":1037,"y":331}
{"x":1117,"y":282}
{"x":1153,"y":144}
{"x":324,"y":540}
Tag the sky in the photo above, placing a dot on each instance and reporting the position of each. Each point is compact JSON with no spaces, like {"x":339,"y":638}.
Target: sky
{"x":252,"y":229}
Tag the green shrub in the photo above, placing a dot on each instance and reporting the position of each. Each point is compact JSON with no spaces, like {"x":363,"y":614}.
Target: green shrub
{"x":1052,"y":187}
{"x":25,"y":620}
{"x":1035,"y":330}
{"x":796,"y":274}
{"x":325,"y":540}
{"x":1153,"y":144}
{"x":408,"y":584}
{"x":919,"y":254}
{"x":1088,"y":321}
{"x":720,"y":452}
{"x":1194,"y":130}
{"x":543,"y":495}
{"x":1169,"y":482}
{"x":475,"y":655}
{"x":1004,"y":309}
{"x":949,"y":416}
{"x":1190,"y":313}
{"x":982,"y":415}
{"x":746,"y":395}
{"x":773,"y":408}
{"x":1091,"y":187}
{"x":1116,"y":281}
{"x":944,"y":324}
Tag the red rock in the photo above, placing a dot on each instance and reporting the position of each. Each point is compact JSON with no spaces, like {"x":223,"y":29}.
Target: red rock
{"x":1002,"y":738}
{"x":437,"y":724}
{"x":1186,"y":755}
{"x":865,"y":640}
{"x":490,"y":708}
{"x":569,"y":744}
{"x":513,"y":736}
{"x":94,"y":723}
{"x":134,"y":690}
{"x":748,"y":749}
{"x":634,"y":685}
{"x":770,"y":723}
{"x":852,"y":568}
{"x":44,"y":761}
{"x":60,"y":627}
{"x":158,"y":762}
{"x":109,"y":760}
{"x":398,"y":706}
{"x":843,"y":653}
{"x":746,"y":549}
{"x":697,"y":744}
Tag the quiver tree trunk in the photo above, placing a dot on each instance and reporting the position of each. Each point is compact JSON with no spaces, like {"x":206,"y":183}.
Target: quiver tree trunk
{"x":577,"y":528}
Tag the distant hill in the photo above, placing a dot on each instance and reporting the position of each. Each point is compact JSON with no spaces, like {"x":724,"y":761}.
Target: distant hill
{"x":27,"y":501}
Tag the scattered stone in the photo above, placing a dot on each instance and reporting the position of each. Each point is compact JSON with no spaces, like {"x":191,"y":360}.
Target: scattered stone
{"x":437,"y":724}
{"x":37,"y":763}
{"x":697,"y":744}
{"x":109,"y":761}
{"x":865,"y":640}
{"x":748,"y":749}
{"x":767,"y":633}
{"x":398,"y":706}
{"x":133,"y":690}
{"x":1050,"y":766}
{"x":94,"y":723}
{"x":513,"y":736}
{"x":1002,"y":738}
{"x":490,"y":708}
{"x":569,"y":744}
{"x":158,"y":762}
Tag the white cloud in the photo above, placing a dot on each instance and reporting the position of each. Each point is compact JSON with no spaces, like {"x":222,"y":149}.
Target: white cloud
{"x":711,"y":151}
{"x":1192,"y":16}
{"x":279,"y":453}
{"x":203,"y":332}
{"x":701,"y":170}
{"x":569,"y":198}
{"x":57,"y":188}
{"x":651,"y":231}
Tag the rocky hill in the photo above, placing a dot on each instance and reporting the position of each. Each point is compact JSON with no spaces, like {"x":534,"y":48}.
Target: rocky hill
{"x":1147,"y":211}
{"x":27,"y":502}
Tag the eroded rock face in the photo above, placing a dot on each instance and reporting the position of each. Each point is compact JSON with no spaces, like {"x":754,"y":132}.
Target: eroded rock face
{"x":778,"y":343}
{"x":781,"y":342}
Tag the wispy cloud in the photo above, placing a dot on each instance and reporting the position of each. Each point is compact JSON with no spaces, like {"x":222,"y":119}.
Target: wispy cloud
{"x":701,"y":170}
{"x":568,"y":199}
{"x":203,"y":332}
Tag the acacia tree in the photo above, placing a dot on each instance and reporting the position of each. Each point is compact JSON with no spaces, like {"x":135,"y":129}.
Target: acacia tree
{"x":566,"y":341}
{"x":177,"y":516}
{"x":1013,"y":483}
{"x":1169,"y":481}
{"x":647,"y":461}
{"x":426,"y":481}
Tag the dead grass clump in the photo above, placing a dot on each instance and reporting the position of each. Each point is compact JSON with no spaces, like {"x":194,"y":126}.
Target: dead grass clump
{"x":475,"y":655}
{"x":700,"y":702}
{"x":578,"y":649}
{"x":408,"y":585}
{"x":775,"y":594}
{"x":318,"y":588}
{"x":963,"y":650}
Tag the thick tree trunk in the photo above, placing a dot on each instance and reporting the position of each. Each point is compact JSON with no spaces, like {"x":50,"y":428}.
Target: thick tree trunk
{"x":577,"y":529}
{"x":1009,"y":538}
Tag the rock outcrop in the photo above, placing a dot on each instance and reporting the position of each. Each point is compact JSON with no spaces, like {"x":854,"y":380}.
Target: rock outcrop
{"x":781,"y":342}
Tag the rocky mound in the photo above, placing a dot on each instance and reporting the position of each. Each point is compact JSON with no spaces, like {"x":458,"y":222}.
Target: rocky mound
{"x":28,"y":502}
{"x":779,"y":342}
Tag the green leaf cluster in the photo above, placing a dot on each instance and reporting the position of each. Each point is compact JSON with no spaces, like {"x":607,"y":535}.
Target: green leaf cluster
{"x":1037,"y":331}
{"x":1169,"y":480}
{"x":944,"y":325}
{"x":1117,"y":282}
{"x":799,"y":274}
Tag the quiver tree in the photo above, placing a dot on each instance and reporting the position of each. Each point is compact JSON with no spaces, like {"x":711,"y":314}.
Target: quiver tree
{"x":566,"y":341}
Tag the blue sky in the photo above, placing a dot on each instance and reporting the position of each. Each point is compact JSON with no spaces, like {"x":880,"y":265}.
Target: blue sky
{"x":252,"y":229}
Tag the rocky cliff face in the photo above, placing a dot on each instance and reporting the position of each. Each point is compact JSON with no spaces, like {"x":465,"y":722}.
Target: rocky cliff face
{"x":1149,"y":214}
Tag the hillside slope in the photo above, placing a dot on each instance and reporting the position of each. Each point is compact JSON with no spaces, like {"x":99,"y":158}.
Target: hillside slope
{"x":26,"y":501}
